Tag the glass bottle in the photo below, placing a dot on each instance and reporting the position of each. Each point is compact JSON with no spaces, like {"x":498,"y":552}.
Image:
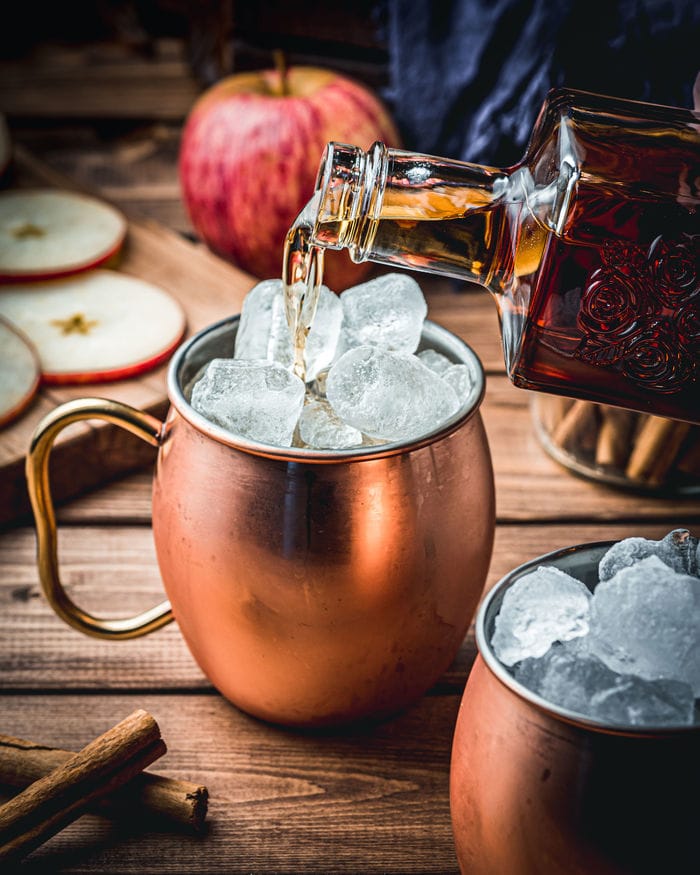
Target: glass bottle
{"x":590,"y":245}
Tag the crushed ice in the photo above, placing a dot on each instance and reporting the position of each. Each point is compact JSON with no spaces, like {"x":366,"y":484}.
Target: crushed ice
{"x":626,"y":653}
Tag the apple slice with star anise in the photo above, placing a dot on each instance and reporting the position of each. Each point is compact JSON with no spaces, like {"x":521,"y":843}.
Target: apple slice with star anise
{"x":19,"y":372}
{"x":46,"y":233}
{"x":94,"y":327}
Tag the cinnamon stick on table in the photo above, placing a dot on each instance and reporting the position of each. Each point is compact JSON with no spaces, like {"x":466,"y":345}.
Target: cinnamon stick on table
{"x":181,"y":802}
{"x":54,"y":801}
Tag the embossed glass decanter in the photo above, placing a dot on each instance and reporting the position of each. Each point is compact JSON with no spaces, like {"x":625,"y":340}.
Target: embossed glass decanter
{"x":590,"y":245}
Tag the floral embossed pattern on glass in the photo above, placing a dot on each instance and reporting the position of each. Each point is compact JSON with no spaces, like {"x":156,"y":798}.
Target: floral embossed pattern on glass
{"x":640,"y":312}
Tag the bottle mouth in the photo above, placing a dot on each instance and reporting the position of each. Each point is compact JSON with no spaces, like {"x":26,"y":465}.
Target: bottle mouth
{"x":348,"y":183}
{"x":341,"y":164}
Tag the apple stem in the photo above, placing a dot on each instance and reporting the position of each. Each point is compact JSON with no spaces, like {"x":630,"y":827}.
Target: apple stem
{"x":281,"y":67}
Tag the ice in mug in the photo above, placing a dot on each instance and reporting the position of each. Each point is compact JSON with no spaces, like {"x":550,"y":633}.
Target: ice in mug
{"x":627,"y":652}
{"x":361,"y":378}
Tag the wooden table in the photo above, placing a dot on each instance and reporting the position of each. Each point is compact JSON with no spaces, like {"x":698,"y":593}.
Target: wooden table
{"x":366,"y":799}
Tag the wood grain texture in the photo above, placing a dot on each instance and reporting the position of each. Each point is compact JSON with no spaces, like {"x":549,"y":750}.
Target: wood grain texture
{"x":368,"y":799}
{"x":98,"y":81}
{"x":134,"y":166}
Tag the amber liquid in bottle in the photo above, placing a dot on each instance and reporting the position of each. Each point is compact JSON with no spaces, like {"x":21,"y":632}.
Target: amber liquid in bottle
{"x":614,"y":309}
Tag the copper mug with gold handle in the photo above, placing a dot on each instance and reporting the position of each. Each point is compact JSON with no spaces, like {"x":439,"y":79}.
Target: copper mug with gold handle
{"x":312,"y":587}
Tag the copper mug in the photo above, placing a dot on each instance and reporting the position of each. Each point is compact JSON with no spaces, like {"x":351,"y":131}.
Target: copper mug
{"x":312,"y":587}
{"x":536,"y":789}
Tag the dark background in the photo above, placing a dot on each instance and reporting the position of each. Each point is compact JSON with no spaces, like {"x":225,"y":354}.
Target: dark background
{"x":463,"y":78}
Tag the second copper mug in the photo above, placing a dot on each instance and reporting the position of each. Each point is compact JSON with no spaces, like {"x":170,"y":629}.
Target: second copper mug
{"x":537,"y":789}
{"x":312,"y":587}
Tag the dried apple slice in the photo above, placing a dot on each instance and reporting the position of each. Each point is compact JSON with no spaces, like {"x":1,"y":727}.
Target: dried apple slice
{"x":95,"y":327}
{"x":48,"y":233}
{"x":19,"y":373}
{"x":5,"y":145}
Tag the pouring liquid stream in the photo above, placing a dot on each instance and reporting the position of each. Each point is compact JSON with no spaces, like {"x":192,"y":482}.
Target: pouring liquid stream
{"x":302,"y":276}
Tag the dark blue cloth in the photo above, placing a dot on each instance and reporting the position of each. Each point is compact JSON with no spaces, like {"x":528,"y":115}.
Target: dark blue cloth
{"x":467,"y":77}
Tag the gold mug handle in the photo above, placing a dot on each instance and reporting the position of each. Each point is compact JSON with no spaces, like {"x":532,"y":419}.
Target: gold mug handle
{"x":137,"y":422}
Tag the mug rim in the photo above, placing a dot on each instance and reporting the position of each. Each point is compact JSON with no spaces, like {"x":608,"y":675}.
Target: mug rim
{"x":466,"y":411}
{"x":484,"y":621}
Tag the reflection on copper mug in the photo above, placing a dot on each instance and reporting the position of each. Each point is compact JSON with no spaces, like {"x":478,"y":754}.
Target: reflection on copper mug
{"x":539,"y":790}
{"x":312,"y":587}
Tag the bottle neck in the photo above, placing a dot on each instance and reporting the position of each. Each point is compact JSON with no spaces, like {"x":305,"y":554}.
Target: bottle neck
{"x":415,"y":211}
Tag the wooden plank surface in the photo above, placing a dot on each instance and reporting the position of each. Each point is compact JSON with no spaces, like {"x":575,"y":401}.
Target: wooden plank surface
{"x":98,"y":81}
{"x":134,"y":166}
{"x":368,"y":800}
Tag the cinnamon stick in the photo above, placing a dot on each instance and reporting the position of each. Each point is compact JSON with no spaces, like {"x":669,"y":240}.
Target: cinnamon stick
{"x":551,"y":409}
{"x":575,"y":426}
{"x":655,"y":449}
{"x":614,"y":437}
{"x":180,"y":802}
{"x":57,"y":799}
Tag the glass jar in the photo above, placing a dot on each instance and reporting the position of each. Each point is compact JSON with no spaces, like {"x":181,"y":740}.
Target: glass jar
{"x":618,"y":447}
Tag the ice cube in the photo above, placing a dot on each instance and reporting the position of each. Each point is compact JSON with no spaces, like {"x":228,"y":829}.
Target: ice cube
{"x":435,"y":360}
{"x":631,"y":699}
{"x":319,"y":427}
{"x":388,"y":395}
{"x":263,"y":332}
{"x":569,"y":677}
{"x":280,"y":343}
{"x":321,"y":340}
{"x":258,"y":400}
{"x":461,"y":378}
{"x":386,"y":312}
{"x":678,"y":549}
{"x":542,"y":607}
{"x":253,"y":335}
{"x":456,"y":374}
{"x":646,"y":621}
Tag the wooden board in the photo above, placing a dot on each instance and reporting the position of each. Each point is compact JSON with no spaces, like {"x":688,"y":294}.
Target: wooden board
{"x":208,"y":288}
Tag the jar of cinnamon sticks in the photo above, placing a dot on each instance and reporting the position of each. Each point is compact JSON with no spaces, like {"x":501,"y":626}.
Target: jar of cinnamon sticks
{"x":619,"y":447}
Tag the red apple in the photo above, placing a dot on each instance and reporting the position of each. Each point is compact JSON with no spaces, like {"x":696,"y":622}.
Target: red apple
{"x":47,"y":233}
{"x":19,"y":372}
{"x":250,"y":152}
{"x":95,"y":327}
{"x":5,"y":145}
